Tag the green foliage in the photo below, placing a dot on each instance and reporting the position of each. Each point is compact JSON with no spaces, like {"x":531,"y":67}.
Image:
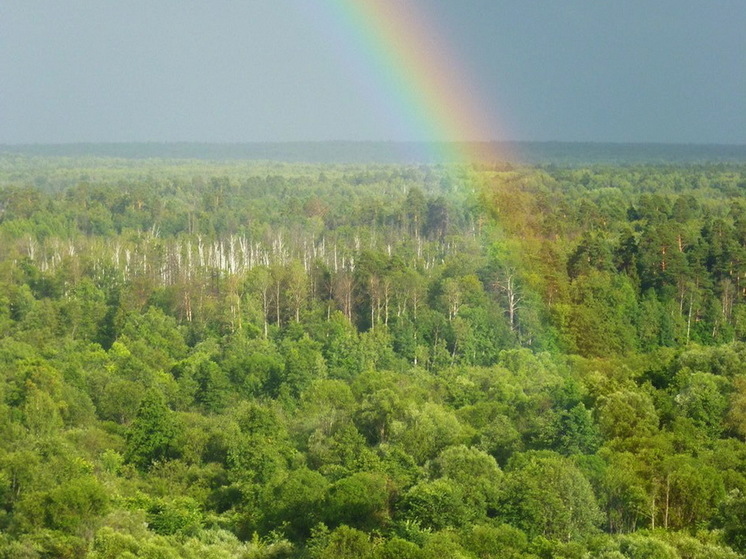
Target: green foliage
{"x":397,"y":548}
{"x":733,"y":520}
{"x":347,"y":543}
{"x":177,"y":516}
{"x":153,"y":432}
{"x":571,"y":432}
{"x":74,"y":504}
{"x":547,"y":495}
{"x":627,"y":414}
{"x":297,"y":501}
{"x":487,"y":542}
{"x":437,"y":504}
{"x":360,"y":500}
{"x":270,"y":360}
{"x":646,"y":547}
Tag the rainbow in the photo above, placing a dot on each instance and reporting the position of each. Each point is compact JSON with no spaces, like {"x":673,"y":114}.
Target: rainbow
{"x":418,"y":73}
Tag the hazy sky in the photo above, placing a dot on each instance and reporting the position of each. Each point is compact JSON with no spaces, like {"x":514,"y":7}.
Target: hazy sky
{"x":287,"y":70}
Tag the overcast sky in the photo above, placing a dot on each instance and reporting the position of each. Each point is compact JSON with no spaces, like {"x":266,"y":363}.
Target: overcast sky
{"x":270,"y":70}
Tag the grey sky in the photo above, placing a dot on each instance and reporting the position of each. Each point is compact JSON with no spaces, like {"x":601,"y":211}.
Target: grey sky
{"x":271,"y":70}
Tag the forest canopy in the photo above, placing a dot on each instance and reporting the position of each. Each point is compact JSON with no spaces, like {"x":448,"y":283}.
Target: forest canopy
{"x":243,"y":359}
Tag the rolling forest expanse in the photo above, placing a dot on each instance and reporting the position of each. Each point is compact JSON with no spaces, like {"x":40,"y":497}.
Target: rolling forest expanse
{"x":219,"y":359}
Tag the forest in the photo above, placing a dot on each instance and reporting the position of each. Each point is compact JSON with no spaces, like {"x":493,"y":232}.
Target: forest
{"x":230,"y":358}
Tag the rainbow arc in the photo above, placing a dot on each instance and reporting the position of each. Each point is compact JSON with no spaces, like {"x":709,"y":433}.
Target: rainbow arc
{"x":418,"y":69}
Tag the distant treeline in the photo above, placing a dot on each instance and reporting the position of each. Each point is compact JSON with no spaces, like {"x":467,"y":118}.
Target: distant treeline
{"x":541,"y":153}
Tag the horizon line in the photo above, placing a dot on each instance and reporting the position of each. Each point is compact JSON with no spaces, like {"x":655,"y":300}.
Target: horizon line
{"x":343,"y":141}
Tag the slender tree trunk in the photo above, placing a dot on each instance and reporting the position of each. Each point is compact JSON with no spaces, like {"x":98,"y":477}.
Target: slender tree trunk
{"x":689,"y":318}
{"x":277,"y":302}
